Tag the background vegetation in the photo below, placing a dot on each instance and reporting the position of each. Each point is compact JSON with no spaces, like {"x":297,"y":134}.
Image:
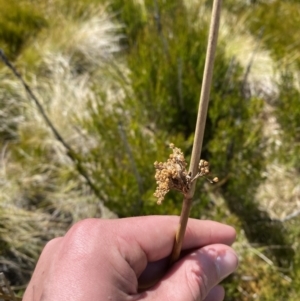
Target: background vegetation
{"x":120,"y":80}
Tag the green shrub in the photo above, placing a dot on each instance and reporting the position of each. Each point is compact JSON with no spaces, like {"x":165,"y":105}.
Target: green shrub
{"x":18,"y":24}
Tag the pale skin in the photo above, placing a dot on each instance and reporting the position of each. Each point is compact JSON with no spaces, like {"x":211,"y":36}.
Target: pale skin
{"x":104,"y":260}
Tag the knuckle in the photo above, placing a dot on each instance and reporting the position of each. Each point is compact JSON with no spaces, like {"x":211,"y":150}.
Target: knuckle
{"x":81,"y":228}
{"x":52,"y":244}
{"x":80,"y":239}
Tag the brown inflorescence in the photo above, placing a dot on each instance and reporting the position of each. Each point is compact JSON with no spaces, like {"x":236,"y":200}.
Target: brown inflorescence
{"x":173,"y":174}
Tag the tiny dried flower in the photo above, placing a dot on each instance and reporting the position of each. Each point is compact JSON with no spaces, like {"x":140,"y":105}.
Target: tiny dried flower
{"x":173,"y":174}
{"x":215,"y":180}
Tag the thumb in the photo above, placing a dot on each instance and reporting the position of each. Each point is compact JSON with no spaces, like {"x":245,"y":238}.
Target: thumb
{"x":195,"y":275}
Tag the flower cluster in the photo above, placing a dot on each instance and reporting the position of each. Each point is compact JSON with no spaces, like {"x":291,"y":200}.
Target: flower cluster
{"x":173,"y":174}
{"x":204,"y":171}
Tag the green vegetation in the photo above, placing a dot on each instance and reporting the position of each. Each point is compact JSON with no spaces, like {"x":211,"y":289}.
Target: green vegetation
{"x":120,"y":80}
{"x":18,"y":25}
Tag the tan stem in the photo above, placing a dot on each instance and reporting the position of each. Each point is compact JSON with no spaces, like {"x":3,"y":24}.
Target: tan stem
{"x":185,"y":211}
{"x":200,"y":125}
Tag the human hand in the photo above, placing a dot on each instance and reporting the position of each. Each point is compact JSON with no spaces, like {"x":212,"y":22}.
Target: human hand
{"x":108,"y":260}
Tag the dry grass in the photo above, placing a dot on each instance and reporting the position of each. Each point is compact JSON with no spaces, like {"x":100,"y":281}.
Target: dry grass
{"x":279,"y":195}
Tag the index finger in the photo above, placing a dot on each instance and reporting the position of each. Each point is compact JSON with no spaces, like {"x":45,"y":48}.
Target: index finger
{"x":154,"y":235}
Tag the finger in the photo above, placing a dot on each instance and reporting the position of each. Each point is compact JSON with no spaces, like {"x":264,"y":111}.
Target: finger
{"x":141,"y":240}
{"x":155,"y":234}
{"x":217,"y":293}
{"x":155,"y":237}
{"x":194,"y":276}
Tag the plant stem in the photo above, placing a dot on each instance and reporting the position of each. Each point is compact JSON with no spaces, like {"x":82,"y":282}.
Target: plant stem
{"x":200,"y":126}
{"x":185,"y":212}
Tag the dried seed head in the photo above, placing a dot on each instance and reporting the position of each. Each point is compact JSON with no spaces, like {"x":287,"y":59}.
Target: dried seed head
{"x":171,"y":174}
{"x":203,"y":163}
{"x":215,"y":179}
{"x":203,"y":168}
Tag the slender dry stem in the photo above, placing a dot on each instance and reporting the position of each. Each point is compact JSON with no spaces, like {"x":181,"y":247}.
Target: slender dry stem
{"x":200,"y":126}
